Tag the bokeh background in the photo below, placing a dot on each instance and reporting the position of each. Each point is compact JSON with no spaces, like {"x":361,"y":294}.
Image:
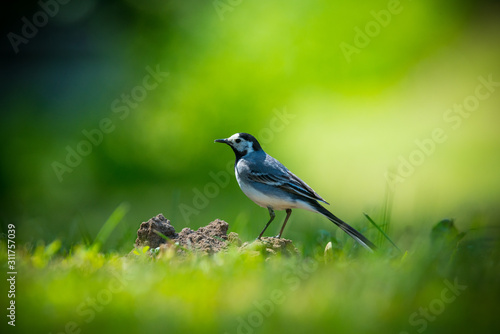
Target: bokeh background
{"x":238,"y":66}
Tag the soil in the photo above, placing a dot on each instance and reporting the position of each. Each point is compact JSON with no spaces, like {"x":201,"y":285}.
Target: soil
{"x":209,"y":239}
{"x":147,"y":236}
{"x":271,"y":246}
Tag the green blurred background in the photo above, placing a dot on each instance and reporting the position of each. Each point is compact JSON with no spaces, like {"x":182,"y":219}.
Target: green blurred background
{"x":236,"y":66}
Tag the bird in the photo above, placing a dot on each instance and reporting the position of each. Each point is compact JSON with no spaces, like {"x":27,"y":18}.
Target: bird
{"x":269,"y":184}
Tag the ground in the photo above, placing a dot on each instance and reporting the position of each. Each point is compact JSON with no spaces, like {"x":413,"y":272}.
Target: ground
{"x":208,"y":281}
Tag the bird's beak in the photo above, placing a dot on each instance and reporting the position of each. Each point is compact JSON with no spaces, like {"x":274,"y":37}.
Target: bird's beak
{"x":224,"y":141}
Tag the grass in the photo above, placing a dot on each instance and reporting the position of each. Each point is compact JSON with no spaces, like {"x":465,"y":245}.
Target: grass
{"x":447,"y":281}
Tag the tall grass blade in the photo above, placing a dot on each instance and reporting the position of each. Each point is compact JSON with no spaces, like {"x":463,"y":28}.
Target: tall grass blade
{"x":110,"y":224}
{"x":380,"y":230}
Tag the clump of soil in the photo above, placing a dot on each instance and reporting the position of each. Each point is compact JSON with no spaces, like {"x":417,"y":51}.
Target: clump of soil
{"x":271,"y":246}
{"x":208,"y":239}
{"x":147,"y":234}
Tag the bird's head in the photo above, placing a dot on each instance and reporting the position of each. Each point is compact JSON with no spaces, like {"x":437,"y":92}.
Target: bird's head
{"x":241,"y":143}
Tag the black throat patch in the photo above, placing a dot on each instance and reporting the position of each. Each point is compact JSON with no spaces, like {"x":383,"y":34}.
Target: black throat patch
{"x":238,"y":154}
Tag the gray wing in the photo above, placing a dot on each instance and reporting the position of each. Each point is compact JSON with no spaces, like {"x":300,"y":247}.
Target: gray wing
{"x":279,"y":176}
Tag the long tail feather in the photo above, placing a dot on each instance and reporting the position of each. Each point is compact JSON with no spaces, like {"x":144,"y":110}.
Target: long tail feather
{"x":352,"y":232}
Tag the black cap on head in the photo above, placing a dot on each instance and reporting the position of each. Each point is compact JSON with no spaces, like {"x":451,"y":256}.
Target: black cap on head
{"x":250,"y":138}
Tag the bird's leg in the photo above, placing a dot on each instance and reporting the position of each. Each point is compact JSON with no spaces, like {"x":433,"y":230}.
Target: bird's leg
{"x":272,"y":215}
{"x":288,"y":213}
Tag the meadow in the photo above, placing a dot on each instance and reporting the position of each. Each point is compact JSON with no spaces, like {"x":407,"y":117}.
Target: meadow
{"x":446,"y":281}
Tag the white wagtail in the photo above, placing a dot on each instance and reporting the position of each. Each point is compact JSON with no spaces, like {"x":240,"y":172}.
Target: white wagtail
{"x":271,"y":185}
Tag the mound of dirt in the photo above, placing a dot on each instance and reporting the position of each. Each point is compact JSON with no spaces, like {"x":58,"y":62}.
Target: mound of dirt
{"x":271,"y":246}
{"x":208,"y":239}
{"x":147,"y":234}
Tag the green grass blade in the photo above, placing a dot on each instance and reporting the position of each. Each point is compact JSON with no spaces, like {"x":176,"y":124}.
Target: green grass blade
{"x":161,"y":235}
{"x":110,"y":224}
{"x":380,"y":230}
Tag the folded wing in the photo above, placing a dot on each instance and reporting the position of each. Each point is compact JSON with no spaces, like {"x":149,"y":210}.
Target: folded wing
{"x":288,"y":182}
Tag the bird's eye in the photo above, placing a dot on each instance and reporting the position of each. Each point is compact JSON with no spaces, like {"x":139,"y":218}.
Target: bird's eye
{"x":238,"y":140}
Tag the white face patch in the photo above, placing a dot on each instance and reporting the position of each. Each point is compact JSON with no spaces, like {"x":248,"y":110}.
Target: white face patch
{"x":240,"y":144}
